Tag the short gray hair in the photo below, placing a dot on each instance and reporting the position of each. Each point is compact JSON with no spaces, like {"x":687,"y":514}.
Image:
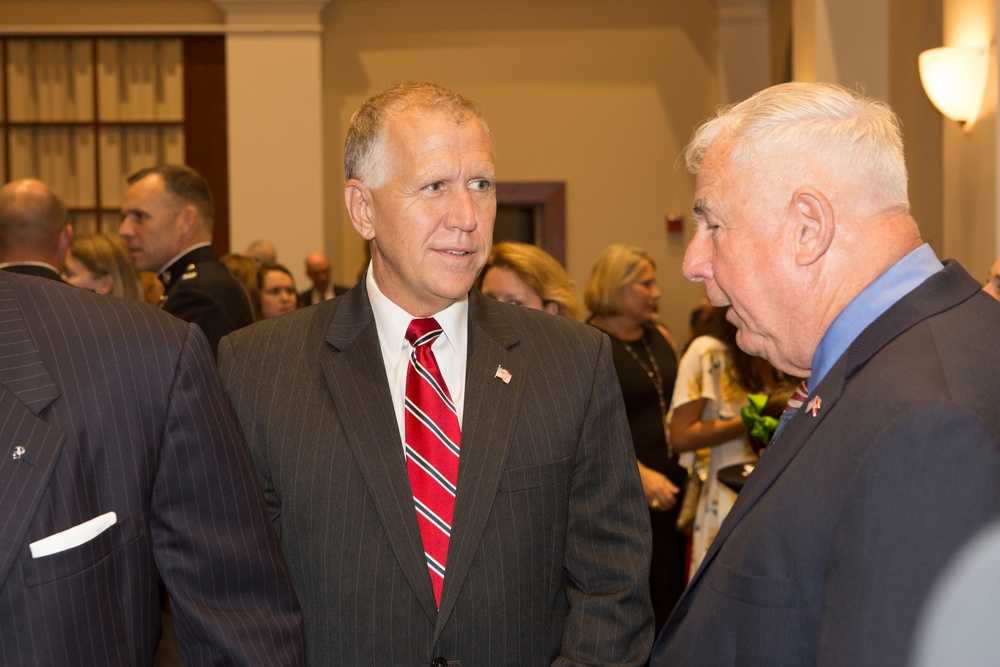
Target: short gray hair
{"x":860,"y":132}
{"x":365,"y":154}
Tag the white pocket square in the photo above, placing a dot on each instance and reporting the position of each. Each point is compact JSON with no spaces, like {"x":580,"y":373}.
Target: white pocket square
{"x":72,"y":537}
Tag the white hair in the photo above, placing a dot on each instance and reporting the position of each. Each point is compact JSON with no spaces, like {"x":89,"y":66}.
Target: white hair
{"x":858,"y":133}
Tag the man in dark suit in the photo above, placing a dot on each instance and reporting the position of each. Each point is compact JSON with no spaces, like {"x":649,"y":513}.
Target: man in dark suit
{"x":893,"y":459}
{"x":167,"y":218}
{"x":548,"y":556}
{"x":123,"y":466}
{"x":318,"y":270}
{"x":35,"y":234}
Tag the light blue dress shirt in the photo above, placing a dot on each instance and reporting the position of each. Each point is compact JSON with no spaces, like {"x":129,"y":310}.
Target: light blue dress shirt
{"x":902,"y":278}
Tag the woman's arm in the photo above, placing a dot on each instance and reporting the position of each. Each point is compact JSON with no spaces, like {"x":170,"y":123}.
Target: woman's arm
{"x":688,"y":432}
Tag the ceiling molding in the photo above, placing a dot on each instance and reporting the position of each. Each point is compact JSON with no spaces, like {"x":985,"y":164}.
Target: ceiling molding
{"x":278,"y":16}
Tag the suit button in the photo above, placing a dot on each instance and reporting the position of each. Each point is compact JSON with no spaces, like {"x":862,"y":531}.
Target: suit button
{"x":439,"y":662}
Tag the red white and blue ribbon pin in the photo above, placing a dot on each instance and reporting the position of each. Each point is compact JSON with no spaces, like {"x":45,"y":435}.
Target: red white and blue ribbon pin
{"x":814,"y":405}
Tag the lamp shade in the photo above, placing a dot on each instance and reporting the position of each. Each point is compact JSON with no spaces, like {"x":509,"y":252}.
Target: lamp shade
{"x":954,"y":78}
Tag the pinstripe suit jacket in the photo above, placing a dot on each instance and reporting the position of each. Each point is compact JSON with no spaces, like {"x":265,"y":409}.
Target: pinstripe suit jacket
{"x":840,"y":531}
{"x":118,"y":409}
{"x":549,"y":554}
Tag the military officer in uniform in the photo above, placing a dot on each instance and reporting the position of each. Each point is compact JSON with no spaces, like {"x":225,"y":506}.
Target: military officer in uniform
{"x":167,"y":218}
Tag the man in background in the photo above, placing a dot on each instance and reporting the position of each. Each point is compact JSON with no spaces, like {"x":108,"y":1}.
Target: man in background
{"x":263,"y":252}
{"x":892,"y":460}
{"x":167,"y":219}
{"x":35,"y":234}
{"x":122,"y":467}
{"x":452,"y":477}
{"x":318,"y":270}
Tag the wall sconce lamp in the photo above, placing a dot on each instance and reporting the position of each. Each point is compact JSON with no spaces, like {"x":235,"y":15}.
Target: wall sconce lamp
{"x":954,"y":78}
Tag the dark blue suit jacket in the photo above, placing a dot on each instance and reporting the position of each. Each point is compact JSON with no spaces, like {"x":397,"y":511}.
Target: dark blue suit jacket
{"x":838,"y":534}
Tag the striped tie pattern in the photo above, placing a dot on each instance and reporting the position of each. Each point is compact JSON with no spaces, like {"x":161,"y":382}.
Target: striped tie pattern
{"x":792,"y":406}
{"x":432,"y":447}
{"x":798,"y":397}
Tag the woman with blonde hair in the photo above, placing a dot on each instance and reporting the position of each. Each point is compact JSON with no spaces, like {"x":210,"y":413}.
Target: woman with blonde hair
{"x":102,"y":264}
{"x":526,"y":275}
{"x":622,"y":297}
{"x":244,"y":269}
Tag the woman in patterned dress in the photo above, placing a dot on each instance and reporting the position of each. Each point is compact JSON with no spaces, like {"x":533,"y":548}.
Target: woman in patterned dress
{"x":713,"y":379}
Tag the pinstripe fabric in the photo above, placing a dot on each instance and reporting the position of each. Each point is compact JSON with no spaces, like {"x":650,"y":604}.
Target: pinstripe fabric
{"x":549,"y":551}
{"x":118,"y":409}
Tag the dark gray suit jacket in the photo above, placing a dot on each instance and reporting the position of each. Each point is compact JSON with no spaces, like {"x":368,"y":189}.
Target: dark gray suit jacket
{"x":549,"y":554}
{"x":839,"y":532}
{"x":117,"y":407}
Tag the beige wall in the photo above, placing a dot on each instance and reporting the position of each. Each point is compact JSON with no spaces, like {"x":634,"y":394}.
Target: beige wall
{"x":604,"y":96}
{"x":874,"y":45}
{"x":579,"y":91}
{"x":970,"y":153}
{"x":916,"y":26}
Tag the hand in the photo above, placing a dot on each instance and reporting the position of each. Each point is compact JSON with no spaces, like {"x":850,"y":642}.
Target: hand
{"x":661,"y":494}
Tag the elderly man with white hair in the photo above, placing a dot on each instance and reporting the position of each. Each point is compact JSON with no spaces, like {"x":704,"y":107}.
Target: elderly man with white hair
{"x":892,"y":459}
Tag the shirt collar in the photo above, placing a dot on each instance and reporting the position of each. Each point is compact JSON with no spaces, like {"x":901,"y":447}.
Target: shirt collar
{"x":176,"y":257}
{"x":4,"y":265}
{"x":902,"y":278}
{"x":391,"y":322}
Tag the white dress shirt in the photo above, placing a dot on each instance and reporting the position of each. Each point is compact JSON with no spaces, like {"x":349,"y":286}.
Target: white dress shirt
{"x":450,"y":348}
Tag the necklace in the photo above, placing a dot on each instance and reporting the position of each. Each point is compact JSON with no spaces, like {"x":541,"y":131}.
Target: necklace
{"x":652,"y":370}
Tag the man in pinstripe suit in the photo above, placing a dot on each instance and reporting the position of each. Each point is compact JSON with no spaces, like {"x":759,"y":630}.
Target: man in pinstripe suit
{"x":549,"y":545}
{"x":121,"y":464}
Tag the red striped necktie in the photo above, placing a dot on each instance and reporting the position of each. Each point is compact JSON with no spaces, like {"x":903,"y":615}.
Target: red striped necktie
{"x":798,"y":397}
{"x":432,"y":447}
{"x":795,"y":402}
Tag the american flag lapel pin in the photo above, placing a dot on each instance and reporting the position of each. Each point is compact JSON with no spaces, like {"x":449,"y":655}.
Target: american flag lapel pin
{"x":814,"y":405}
{"x":503,"y":374}
{"x":21,"y":454}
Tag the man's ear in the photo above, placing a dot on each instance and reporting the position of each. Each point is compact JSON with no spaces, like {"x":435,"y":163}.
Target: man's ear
{"x":359,"y":206}
{"x":65,"y":239}
{"x":188,"y":219}
{"x":814,"y":224}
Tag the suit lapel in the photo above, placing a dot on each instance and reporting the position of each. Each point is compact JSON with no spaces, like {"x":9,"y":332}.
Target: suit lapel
{"x":941,"y":291}
{"x":355,"y":373}
{"x":487,"y":424}
{"x":776,"y":458}
{"x":22,"y":370}
{"x":27,"y":390}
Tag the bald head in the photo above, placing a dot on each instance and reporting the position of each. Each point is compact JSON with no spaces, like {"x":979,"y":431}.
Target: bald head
{"x":33,"y":224}
{"x":318,"y":270}
{"x":262,"y":251}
